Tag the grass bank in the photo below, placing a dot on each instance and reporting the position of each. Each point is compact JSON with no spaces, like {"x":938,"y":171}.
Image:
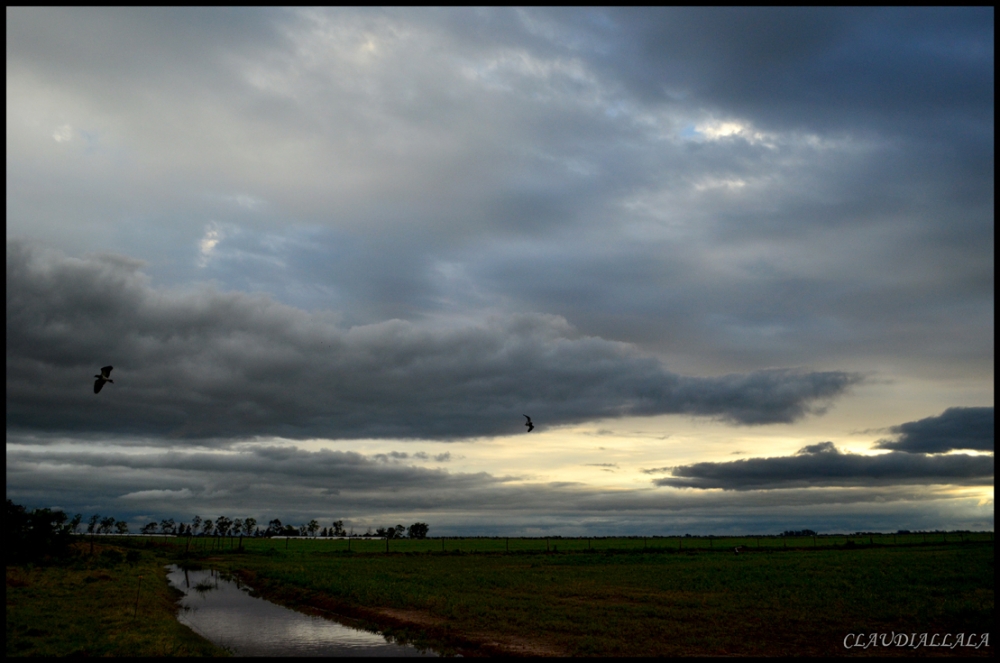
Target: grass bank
{"x":94,"y":605}
{"x":772,"y":602}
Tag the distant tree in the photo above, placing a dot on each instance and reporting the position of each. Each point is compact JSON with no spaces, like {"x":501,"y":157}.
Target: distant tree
{"x":380,"y":532}
{"x":274,"y":528}
{"x":207,"y":526}
{"x":290,"y":530}
{"x":195,"y":524}
{"x":391,"y":532}
{"x":92,"y":523}
{"x":74,"y":524}
{"x":167,"y":526}
{"x":222,"y":525}
{"x":303,"y":530}
{"x":417,"y":530}
{"x":337,"y":529}
{"x":149,"y":528}
{"x":122,"y":527}
{"x":324,"y":533}
{"x":249,"y":525}
{"x":106,"y":525}
{"x":237,"y":526}
{"x":312,"y":527}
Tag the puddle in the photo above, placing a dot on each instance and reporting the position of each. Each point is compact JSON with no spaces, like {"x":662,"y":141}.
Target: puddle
{"x":224,"y":612}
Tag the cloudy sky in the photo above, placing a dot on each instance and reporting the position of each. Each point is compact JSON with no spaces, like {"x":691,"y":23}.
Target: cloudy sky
{"x":737,"y":265}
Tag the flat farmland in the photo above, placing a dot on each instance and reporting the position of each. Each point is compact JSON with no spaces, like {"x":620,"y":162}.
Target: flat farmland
{"x":558,"y":597}
{"x":630,"y":597}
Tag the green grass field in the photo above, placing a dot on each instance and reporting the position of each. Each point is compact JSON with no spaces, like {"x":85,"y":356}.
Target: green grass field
{"x":561,"y":544}
{"x":95,"y":606}
{"x":621,"y":596}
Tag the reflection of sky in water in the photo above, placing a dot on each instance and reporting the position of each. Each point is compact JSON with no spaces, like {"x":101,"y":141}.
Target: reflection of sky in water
{"x":249,"y":626}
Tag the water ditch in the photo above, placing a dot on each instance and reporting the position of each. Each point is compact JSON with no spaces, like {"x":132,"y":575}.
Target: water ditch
{"x":225,"y":612}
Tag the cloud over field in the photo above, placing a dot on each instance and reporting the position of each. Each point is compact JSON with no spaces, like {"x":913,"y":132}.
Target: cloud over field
{"x":823,"y":464}
{"x":207,"y":364}
{"x":956,"y":428}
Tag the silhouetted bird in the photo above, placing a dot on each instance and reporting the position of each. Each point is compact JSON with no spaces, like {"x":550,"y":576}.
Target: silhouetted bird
{"x":105,"y":376}
{"x":530,"y":425}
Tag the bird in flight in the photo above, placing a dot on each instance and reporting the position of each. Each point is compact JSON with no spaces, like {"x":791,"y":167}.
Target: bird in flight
{"x":105,"y":376}
{"x":530,"y":425}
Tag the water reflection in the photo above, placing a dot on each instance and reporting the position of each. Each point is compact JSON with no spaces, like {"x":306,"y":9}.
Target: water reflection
{"x":224,"y":612}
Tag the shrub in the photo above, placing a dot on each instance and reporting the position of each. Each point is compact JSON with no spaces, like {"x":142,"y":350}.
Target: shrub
{"x":34,"y":535}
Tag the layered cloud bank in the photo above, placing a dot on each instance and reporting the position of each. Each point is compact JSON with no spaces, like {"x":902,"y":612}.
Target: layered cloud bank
{"x":371,"y":490}
{"x":822,"y":464}
{"x":208,"y":364}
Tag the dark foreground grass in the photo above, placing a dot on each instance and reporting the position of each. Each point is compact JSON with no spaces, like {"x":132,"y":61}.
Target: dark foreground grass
{"x":772,"y":602}
{"x":86,"y":606}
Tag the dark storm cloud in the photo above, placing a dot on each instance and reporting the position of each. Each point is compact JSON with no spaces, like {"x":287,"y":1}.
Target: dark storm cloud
{"x":540,"y":160}
{"x":207,"y":364}
{"x":801,"y":66}
{"x":823,"y":464}
{"x":956,"y":428}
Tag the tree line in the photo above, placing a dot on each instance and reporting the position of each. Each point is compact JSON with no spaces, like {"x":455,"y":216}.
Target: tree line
{"x":225,"y":526}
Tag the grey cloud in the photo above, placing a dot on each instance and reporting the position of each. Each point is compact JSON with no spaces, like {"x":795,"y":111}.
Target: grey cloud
{"x":823,"y":464}
{"x":796,"y":65}
{"x":955,"y":428}
{"x":207,"y":364}
{"x":511,"y":144}
{"x":296,"y":485}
